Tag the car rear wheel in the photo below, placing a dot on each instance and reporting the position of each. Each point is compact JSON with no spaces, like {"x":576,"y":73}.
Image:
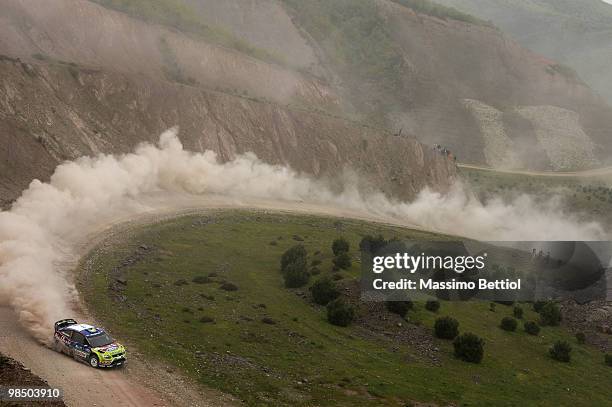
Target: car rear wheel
{"x":93,"y":361}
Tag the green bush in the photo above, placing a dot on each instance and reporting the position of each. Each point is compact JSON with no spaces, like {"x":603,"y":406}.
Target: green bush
{"x":560,"y":351}
{"x":296,"y":275}
{"x":340,"y":245}
{"x":508,"y":324}
{"x":608,"y":359}
{"x":469,"y":347}
{"x":550,"y":314}
{"x":400,"y":308}
{"x":432,"y":305}
{"x":518,"y":312}
{"x":342,"y":261}
{"x":446,"y":328}
{"x":532,"y":328}
{"x":324,"y":290}
{"x":580,"y":337}
{"x":295,"y":254}
{"x":537,"y":306}
{"x":340,"y":313}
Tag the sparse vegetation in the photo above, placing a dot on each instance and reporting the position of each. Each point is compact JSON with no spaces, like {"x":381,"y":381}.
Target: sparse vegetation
{"x":532,"y":328}
{"x":469,"y":347}
{"x":518,"y":312}
{"x":444,"y":12}
{"x":446,"y":328}
{"x":324,"y":290}
{"x":508,"y":324}
{"x":340,"y":245}
{"x":561,"y":351}
{"x":340,"y":313}
{"x":550,"y":314}
{"x":432,"y":305}
{"x":400,"y":308}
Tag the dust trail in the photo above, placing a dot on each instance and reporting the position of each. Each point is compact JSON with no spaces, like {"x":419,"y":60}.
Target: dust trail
{"x":44,"y":225}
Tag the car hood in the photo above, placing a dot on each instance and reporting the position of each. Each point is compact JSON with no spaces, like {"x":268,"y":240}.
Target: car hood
{"x":111,"y":348}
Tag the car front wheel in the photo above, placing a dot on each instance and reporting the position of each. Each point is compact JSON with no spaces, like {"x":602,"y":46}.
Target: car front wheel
{"x":93,"y":361}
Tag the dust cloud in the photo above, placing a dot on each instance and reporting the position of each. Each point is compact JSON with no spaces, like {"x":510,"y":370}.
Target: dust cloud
{"x":44,"y":226}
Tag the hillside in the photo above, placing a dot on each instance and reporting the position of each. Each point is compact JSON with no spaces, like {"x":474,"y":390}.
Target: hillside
{"x":316,"y":85}
{"x":161,"y":288}
{"x":575,"y":33}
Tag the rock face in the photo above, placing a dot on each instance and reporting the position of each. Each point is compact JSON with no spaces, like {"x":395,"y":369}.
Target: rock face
{"x":55,"y":112}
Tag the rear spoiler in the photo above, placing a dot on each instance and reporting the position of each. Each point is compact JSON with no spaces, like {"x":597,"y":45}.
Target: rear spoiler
{"x":63,"y":323}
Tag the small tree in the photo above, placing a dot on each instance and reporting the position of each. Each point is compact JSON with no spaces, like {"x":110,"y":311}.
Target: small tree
{"x":340,"y":313}
{"x":580,"y":337}
{"x":560,"y":351}
{"x":532,"y":328}
{"x":537,"y":306}
{"x":550,"y":314}
{"x":340,"y":245}
{"x":518,"y":312}
{"x":399,"y":307}
{"x":295,"y":254}
{"x":342,"y":261}
{"x":296,"y":275}
{"x":324,"y":290}
{"x":508,"y":324}
{"x":446,"y":328}
{"x":469,"y":348}
{"x":432,"y":305}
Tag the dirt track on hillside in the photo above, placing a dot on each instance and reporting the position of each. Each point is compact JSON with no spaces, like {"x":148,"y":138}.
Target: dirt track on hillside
{"x":141,"y":382}
{"x":599,"y":172}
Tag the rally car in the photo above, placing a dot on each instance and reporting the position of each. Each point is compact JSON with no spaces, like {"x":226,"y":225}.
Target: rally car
{"x":88,"y":344}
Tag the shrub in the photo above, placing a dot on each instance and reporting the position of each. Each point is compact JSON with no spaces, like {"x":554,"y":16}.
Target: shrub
{"x":532,"y":328}
{"x":340,"y":245}
{"x":295,"y":254}
{"x":323,"y":291}
{"x":432,"y":305}
{"x":227,"y":286}
{"x":446,"y":328}
{"x":296,"y":275}
{"x":342,"y":261}
{"x":518,"y":312}
{"x":399,"y":307}
{"x":315,"y":271}
{"x":537,"y":306}
{"x":580,"y":337}
{"x":207,"y":320}
{"x":508,"y":324}
{"x":201,"y":280}
{"x":340,"y":313}
{"x":315,"y":262}
{"x":550,"y":314}
{"x":608,"y":359}
{"x":560,"y":351}
{"x":469,"y":348}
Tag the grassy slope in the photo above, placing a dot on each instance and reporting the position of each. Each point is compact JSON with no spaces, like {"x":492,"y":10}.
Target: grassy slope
{"x":591,"y":197}
{"x":263,"y":364}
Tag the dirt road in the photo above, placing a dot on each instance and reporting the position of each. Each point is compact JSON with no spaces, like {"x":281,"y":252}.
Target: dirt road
{"x":142,"y":382}
{"x":599,"y":172}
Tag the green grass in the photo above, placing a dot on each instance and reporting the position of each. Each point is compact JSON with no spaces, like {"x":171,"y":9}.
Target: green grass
{"x":303,"y":360}
{"x":589,"y":197}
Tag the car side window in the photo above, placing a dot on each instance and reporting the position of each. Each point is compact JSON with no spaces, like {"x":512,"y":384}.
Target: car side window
{"x":78,"y":337}
{"x":68,"y":333}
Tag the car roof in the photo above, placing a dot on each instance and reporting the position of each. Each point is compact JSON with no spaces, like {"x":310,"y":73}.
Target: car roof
{"x":85,"y":329}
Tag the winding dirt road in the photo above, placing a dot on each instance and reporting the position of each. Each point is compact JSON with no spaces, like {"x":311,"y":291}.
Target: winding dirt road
{"x":142,"y":382}
{"x":599,"y":172}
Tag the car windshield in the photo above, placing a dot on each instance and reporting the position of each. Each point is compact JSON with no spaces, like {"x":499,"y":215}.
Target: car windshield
{"x":100,"y":340}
